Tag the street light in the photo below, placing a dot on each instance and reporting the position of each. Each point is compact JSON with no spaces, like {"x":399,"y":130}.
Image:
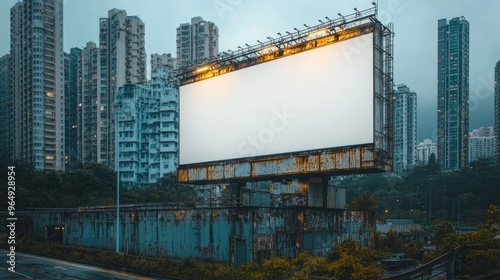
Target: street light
{"x":117,"y":168}
{"x":396,"y":208}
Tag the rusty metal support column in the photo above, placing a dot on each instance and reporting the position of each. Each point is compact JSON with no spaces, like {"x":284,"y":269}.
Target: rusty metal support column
{"x":299,"y":212}
{"x":234,"y":211}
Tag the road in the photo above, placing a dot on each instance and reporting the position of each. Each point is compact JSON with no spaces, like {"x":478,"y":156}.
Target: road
{"x":30,"y":266}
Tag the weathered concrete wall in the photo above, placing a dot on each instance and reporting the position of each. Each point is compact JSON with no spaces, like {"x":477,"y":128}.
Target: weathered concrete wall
{"x":232,"y":235}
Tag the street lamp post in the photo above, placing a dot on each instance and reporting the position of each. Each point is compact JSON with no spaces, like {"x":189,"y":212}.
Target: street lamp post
{"x":396,"y":208}
{"x":117,"y":168}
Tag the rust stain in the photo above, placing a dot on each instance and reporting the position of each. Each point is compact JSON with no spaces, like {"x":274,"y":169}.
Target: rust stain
{"x":265,"y":242}
{"x":330,"y":162}
{"x":268,"y":231}
{"x":180,"y":215}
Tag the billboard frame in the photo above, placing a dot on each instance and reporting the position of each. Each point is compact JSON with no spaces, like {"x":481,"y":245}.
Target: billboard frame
{"x":373,"y":157}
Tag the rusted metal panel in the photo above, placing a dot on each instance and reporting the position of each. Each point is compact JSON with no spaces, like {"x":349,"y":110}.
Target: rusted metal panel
{"x":355,"y":226}
{"x":275,"y":167}
{"x":183,"y":175}
{"x":265,"y":242}
{"x":198,"y":173}
{"x":266,"y":223}
{"x":286,"y":243}
{"x":266,"y":220}
{"x":298,"y":187}
{"x":256,"y":194}
{"x":319,"y":243}
{"x":341,"y":161}
{"x":315,"y":195}
{"x":230,"y":171}
{"x":242,"y":170}
{"x":289,"y":193}
{"x":367,"y":158}
{"x":219,"y":173}
{"x":312,"y":163}
{"x":322,"y":229}
{"x":336,"y":197}
{"x":327,"y":162}
{"x":355,"y":159}
{"x":322,"y":163}
{"x":206,"y":233}
{"x":214,"y":173}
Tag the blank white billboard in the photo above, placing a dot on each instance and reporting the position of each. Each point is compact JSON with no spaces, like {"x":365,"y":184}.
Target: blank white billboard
{"x":317,"y":99}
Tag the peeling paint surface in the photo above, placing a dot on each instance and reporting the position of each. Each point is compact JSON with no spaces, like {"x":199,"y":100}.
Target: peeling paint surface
{"x":259,"y":232}
{"x":353,"y":160}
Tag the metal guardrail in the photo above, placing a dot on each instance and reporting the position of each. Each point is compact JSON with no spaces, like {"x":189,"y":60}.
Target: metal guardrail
{"x":438,"y":268}
{"x":446,"y":266}
{"x":435,"y":269}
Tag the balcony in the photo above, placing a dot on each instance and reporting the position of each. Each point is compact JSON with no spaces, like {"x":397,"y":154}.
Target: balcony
{"x":170,"y":138}
{"x":169,"y":149}
{"x":132,"y":148}
{"x":50,"y":128}
{"x":127,"y":140}
{"x":127,"y":168}
{"x":129,"y":158}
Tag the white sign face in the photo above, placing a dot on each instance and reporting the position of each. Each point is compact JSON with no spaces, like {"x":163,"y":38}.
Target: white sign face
{"x":317,"y":99}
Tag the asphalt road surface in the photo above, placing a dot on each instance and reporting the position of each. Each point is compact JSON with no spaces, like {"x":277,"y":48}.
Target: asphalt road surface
{"x":30,"y":266}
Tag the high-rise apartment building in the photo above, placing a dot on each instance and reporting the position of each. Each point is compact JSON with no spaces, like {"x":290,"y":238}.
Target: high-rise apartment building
{"x":148,"y":130}
{"x":71,"y":80}
{"x":497,"y":111}
{"x":405,"y":129}
{"x":481,"y":144}
{"x":196,"y":42}
{"x":37,"y":79}
{"x":89,"y":104}
{"x":6,"y":112}
{"x":453,"y":93}
{"x":424,"y":151}
{"x":122,"y":60}
{"x":166,"y":62}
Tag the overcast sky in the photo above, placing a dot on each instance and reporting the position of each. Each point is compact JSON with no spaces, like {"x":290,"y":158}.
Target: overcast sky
{"x":246,"y":21}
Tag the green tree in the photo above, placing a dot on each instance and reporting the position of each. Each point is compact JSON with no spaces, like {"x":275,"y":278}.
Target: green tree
{"x":432,"y":165}
{"x":392,"y":242}
{"x":308,"y":266}
{"x":367,"y":204}
{"x":277,"y":268}
{"x":346,"y":248}
{"x":442,"y":230}
{"x":91,"y":185}
{"x":168,"y":189}
{"x":481,"y":251}
{"x":476,"y":261}
{"x":491,"y":219}
{"x":353,"y":268}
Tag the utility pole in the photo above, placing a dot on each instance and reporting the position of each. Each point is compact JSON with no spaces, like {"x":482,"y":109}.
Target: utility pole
{"x":117,"y":168}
